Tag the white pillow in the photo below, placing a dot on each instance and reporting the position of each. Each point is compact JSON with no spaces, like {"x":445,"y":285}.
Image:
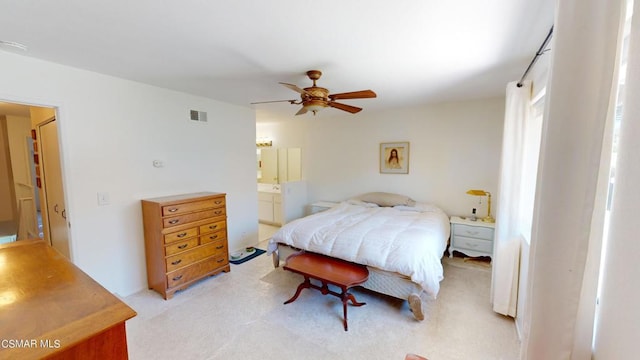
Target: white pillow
{"x":361,"y":203}
{"x":419,"y":207}
{"x":386,"y":199}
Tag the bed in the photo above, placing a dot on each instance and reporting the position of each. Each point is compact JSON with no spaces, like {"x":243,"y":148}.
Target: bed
{"x":400,"y":241}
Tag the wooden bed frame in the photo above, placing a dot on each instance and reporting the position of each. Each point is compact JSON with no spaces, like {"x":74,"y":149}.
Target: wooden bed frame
{"x":380,"y":281}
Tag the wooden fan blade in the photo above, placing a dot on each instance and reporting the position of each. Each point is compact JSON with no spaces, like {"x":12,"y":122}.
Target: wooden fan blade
{"x":362,"y":94}
{"x":294,"y":88}
{"x":345,"y":107}
{"x":302,"y":110}
{"x":273,"y":101}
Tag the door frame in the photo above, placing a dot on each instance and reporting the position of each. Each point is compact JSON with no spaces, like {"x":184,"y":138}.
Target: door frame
{"x":63,"y":160}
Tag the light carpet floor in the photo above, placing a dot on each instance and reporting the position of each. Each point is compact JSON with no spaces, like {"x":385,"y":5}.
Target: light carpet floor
{"x":240,"y":315}
{"x":266,"y":231}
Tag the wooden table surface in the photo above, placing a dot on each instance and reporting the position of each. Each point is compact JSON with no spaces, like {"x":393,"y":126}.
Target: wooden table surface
{"x":334,"y":271}
{"x":48,"y":302}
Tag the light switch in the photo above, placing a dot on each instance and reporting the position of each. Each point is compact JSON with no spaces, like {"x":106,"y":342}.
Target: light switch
{"x":103,"y":198}
{"x":158,"y":163}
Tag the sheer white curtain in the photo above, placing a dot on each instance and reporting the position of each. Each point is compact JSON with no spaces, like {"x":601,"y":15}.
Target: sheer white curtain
{"x":618,"y":323}
{"x":568,"y":213}
{"x":504,"y":294}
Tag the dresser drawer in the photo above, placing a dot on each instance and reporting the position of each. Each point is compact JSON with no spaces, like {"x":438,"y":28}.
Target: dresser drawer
{"x":219,"y":212}
{"x":180,"y":246}
{"x":485,"y":246}
{"x":190,"y":217}
{"x":190,"y":256}
{"x":220,"y":247}
{"x":195,"y":271}
{"x":180,"y":235}
{"x":473,"y":231}
{"x":192,"y":206}
{"x":213,"y":226}
{"x":216,"y":236}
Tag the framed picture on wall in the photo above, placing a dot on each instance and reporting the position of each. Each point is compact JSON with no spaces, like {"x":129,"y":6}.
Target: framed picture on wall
{"x":394,"y":158}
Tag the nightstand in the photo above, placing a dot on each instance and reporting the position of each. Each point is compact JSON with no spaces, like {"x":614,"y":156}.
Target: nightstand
{"x":319,"y":206}
{"x":473,"y":238}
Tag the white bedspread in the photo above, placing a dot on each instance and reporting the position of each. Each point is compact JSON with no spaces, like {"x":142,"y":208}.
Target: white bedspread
{"x":406,"y":240}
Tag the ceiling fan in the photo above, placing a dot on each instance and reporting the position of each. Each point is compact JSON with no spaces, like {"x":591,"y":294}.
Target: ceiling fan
{"x":315,"y":98}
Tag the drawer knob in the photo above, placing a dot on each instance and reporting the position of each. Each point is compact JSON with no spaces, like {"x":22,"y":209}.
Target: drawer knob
{"x":218,"y":212}
{"x":473,"y":232}
{"x":173,"y":209}
{"x":218,"y":202}
{"x":181,"y":235}
{"x":220,"y":261}
{"x":176,"y":262}
{"x":183,"y":246}
{"x":213,"y":227}
{"x":177,"y":278}
{"x":174,"y":221}
{"x":213,"y":237}
{"x":219,"y":247}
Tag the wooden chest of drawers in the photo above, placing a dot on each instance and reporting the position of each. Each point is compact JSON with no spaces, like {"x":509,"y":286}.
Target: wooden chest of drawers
{"x":185,"y":239}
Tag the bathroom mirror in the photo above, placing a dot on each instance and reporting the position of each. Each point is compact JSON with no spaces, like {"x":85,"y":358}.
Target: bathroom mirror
{"x":276,"y":166}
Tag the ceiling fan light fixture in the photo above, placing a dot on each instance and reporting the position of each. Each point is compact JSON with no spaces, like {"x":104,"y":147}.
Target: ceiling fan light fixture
{"x":314,"y":105}
{"x":315,"y":98}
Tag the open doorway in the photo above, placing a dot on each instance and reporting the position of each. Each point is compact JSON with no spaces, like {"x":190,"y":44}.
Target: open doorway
{"x":31,"y":177}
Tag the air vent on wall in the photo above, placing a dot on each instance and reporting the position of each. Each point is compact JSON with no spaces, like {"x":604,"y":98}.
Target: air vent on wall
{"x":198,"y":116}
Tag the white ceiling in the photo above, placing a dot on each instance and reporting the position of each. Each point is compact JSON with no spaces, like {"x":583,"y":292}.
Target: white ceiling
{"x":409,"y":52}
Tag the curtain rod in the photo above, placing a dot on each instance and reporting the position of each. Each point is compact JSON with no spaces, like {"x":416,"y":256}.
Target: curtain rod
{"x":538,"y":54}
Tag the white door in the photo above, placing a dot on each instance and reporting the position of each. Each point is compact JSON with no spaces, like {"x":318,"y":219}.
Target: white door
{"x":53,"y":190}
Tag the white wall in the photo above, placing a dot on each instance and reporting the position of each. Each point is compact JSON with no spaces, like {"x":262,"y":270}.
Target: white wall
{"x":111,"y":130}
{"x":454,"y":147}
{"x":19,"y":129}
